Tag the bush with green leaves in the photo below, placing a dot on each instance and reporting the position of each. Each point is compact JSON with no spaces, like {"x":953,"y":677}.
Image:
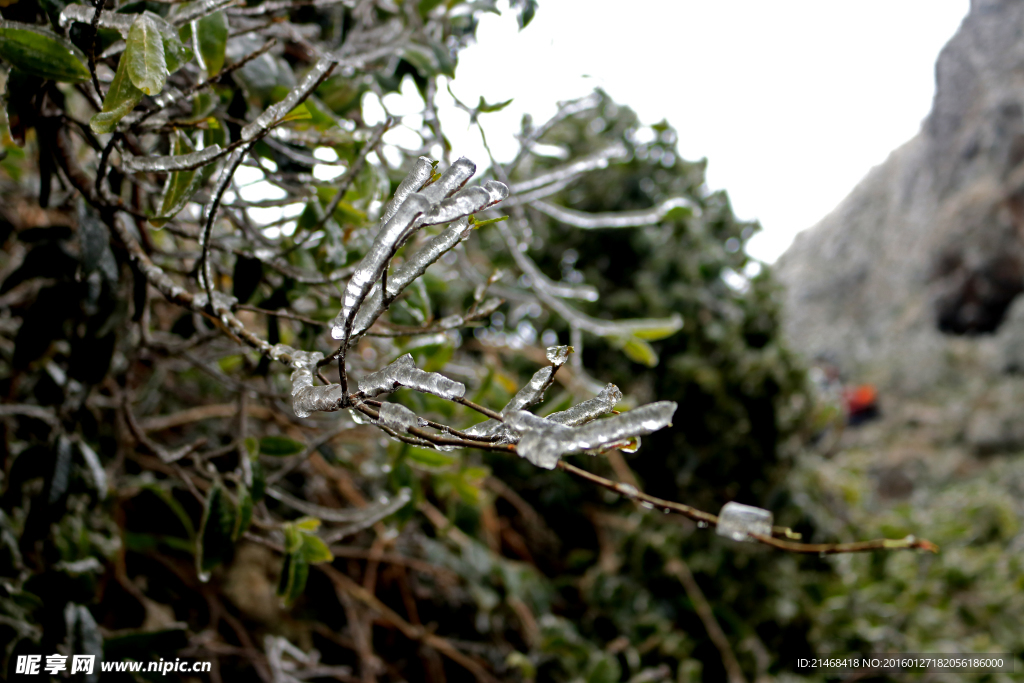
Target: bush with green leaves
{"x":289,"y":398}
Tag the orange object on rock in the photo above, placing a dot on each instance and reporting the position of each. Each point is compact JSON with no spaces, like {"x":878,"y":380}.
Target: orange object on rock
{"x":860,"y":399}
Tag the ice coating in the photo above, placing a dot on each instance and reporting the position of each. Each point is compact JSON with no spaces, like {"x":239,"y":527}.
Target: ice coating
{"x":397,"y":417}
{"x":590,"y":409}
{"x":370,"y":515}
{"x":414,"y":267}
{"x":403,"y":372}
{"x":737,"y":521}
{"x":454,"y":177}
{"x":558,"y":355}
{"x":275,"y":112}
{"x":414,"y":182}
{"x":545,"y":444}
{"x":327,"y":514}
{"x":199,"y":10}
{"x":622,"y":219}
{"x":465,"y":202}
{"x":83,"y":14}
{"x":306,"y":398}
{"x":595,"y":161}
{"x":376,"y":260}
{"x":167,"y":164}
{"x":531,"y":394}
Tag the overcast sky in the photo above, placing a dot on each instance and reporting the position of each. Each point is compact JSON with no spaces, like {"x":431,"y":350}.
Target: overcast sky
{"x":791,"y":101}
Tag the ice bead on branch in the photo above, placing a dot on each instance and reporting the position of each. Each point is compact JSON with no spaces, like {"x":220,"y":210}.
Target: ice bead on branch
{"x":397,"y":417}
{"x":588,"y":410}
{"x":737,"y":521}
{"x":404,"y":373}
{"x":545,"y":444}
{"x":376,"y":260}
{"x":407,"y":273}
{"x":413,"y":182}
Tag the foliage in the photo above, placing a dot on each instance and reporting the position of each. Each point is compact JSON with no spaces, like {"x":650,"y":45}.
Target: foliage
{"x":170,"y":490}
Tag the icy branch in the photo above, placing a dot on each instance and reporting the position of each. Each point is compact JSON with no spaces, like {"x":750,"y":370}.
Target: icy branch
{"x":397,"y":417}
{"x":595,"y":161}
{"x":544,"y":444}
{"x":590,"y":409}
{"x":621,"y":219}
{"x":306,"y":398}
{"x":326,"y":514}
{"x":404,"y":373}
{"x":108,"y":19}
{"x":167,"y":164}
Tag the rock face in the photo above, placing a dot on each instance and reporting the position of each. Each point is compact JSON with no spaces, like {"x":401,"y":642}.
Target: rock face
{"x":924,"y":261}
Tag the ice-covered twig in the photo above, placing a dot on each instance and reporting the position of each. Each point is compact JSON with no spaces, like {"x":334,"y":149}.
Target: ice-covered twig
{"x":595,"y":161}
{"x":413,"y":182}
{"x":107,"y":19}
{"x":544,"y":444}
{"x":357,"y":515}
{"x":588,"y":410}
{"x":620,"y":219}
{"x":404,"y":373}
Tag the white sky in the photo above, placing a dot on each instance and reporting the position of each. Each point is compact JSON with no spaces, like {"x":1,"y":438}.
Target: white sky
{"x":791,"y":101}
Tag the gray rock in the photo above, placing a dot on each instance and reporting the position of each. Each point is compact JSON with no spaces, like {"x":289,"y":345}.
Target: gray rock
{"x":930,"y":245}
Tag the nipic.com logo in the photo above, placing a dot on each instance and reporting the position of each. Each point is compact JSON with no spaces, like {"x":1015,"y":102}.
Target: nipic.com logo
{"x":59,"y":665}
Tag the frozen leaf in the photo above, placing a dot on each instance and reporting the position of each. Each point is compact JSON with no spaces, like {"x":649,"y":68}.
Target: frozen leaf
{"x":543,"y":444}
{"x":213,"y":543}
{"x":180,"y":185}
{"x":147,"y":65}
{"x":41,"y":53}
{"x":244,"y":515}
{"x":638,"y":351}
{"x":92,"y":461}
{"x":396,"y":417}
{"x":737,"y":521}
{"x":121,"y":98}
{"x":212,"y":31}
{"x":294,"y":573}
{"x":404,"y":373}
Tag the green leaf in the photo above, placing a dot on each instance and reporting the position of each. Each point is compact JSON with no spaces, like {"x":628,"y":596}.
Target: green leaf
{"x":653,"y":329}
{"x":280,"y":446}
{"x":244,"y":515}
{"x":252,"y":446}
{"x":147,"y":64}
{"x":121,"y":98}
{"x":314,"y":550}
{"x":307,"y":524}
{"x":429,"y":459}
{"x":180,"y":185}
{"x":485,"y":108}
{"x":527,"y":9}
{"x":637,"y":350}
{"x":41,"y":53}
{"x":214,"y":543}
{"x":259,"y":481}
{"x":299,"y":113}
{"x":213,"y":37}
{"x":293,"y":577}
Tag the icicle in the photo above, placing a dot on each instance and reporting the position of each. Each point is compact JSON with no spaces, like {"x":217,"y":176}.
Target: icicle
{"x":413,"y":268}
{"x":737,"y":521}
{"x":465,"y":202}
{"x":622,"y":219}
{"x":545,"y":444}
{"x":397,"y":417}
{"x":593,"y":162}
{"x":403,"y":372}
{"x":454,"y":177}
{"x":414,"y":182}
{"x":376,"y":260}
{"x":112,"y":20}
{"x":590,"y":409}
{"x":178,"y":162}
{"x":558,"y":355}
